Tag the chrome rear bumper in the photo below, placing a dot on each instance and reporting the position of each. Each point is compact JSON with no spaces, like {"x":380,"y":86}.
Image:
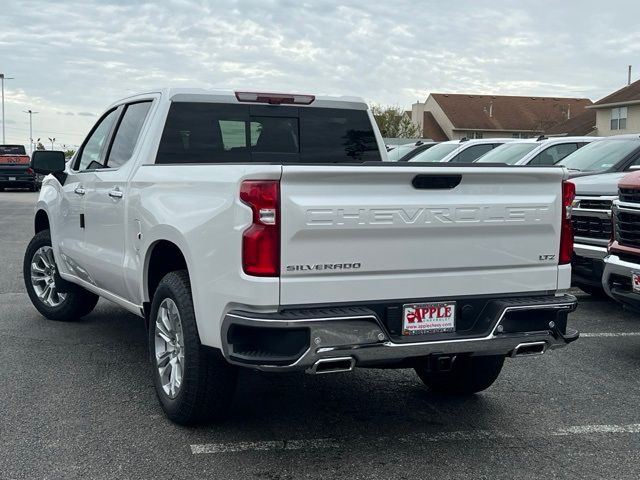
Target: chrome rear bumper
{"x":617,"y":280}
{"x":347,"y":337}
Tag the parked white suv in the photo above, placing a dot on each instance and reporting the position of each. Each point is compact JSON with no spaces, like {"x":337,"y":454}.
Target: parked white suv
{"x":459,"y":151}
{"x":535,"y":151}
{"x":264,"y":231}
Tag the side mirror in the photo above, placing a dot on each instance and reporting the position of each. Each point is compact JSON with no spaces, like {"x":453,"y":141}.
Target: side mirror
{"x":634,"y":168}
{"x":48,"y":161}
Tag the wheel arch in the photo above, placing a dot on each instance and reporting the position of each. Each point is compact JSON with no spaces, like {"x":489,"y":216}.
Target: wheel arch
{"x":41,"y":221}
{"x":162,"y":256}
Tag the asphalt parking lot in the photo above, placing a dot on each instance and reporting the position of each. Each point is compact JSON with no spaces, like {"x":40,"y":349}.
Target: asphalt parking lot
{"x":77,"y":401}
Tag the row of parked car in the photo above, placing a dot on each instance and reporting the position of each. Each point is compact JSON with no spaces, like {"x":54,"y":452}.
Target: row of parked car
{"x":606,"y":260}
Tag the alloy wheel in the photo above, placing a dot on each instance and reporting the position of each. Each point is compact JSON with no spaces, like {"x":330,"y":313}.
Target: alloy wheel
{"x":169,"y":347}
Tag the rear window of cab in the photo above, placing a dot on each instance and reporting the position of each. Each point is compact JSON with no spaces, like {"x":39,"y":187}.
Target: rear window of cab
{"x":226,"y":133}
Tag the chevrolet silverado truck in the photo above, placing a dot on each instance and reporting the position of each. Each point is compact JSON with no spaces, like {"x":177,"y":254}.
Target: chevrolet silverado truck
{"x":15,"y":171}
{"x":266,"y":231}
{"x":591,"y":217}
{"x":596,"y":169}
{"x":621,"y":278}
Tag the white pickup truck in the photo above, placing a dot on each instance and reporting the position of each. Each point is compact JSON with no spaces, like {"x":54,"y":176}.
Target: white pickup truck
{"x":265,"y":231}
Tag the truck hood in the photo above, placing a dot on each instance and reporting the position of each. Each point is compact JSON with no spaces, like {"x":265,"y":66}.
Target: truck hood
{"x":603,"y":184}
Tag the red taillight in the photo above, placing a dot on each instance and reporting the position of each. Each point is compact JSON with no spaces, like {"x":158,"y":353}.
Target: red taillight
{"x":261,"y":241}
{"x":30,"y":171}
{"x":275,"y":98}
{"x":566,"y":229}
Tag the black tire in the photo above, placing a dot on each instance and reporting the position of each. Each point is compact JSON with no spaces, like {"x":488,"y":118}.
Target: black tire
{"x":596,"y":292}
{"x":77,"y":303}
{"x":208,"y":381}
{"x":467,"y":376}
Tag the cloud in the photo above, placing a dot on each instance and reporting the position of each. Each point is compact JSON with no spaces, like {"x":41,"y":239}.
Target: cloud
{"x":388,"y":53}
{"x":86,"y":114}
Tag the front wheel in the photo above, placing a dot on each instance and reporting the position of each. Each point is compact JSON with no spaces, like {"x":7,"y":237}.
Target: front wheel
{"x":40,"y":272}
{"x":193,"y":383}
{"x":468,"y":375}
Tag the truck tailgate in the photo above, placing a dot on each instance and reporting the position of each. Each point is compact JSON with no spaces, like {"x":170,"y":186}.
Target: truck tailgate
{"x":366,"y":233}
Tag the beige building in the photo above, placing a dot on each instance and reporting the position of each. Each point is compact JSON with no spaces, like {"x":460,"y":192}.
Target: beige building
{"x":619,"y":113}
{"x":445,"y":116}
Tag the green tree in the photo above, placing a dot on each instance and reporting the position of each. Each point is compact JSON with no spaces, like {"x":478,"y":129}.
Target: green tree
{"x":68,"y":153}
{"x":394,"y":123}
{"x":40,"y":146}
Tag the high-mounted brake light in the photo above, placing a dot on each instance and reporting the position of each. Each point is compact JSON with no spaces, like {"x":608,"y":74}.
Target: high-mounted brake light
{"x":275,"y":98}
{"x":261,"y":241}
{"x":566,"y":228}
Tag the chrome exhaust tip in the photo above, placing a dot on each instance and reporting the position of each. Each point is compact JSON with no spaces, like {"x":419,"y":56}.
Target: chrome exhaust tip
{"x":529,"y":349}
{"x":333,"y":365}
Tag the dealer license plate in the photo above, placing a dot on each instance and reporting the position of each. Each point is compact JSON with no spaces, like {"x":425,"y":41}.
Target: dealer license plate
{"x":421,"y":318}
{"x":12,"y":179}
{"x":635,"y":282}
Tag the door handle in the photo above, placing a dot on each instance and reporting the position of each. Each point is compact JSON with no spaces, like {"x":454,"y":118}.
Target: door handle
{"x":80,"y":190}
{"x":116,"y":193}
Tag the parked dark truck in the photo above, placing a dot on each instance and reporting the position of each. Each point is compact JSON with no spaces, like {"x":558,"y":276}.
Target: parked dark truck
{"x":15,"y":169}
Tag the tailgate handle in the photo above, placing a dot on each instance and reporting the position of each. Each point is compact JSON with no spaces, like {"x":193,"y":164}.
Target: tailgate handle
{"x":436,"y":182}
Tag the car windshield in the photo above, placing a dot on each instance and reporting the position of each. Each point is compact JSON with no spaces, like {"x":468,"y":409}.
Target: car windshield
{"x":436,"y":153}
{"x":599,"y":156}
{"x":508,"y":153}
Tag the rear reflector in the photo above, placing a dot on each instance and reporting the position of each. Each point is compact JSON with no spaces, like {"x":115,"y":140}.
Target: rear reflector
{"x":566,"y":228}
{"x":261,"y":241}
{"x":275,"y":98}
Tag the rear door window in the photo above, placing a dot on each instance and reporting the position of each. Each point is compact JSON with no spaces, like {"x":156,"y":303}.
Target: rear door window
{"x":126,"y":136}
{"x":554,"y":154}
{"x":218,"y":133}
{"x":472,"y":153}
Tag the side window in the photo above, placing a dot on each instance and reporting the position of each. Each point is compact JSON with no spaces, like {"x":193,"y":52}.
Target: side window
{"x":554,"y":154}
{"x":470,"y":154}
{"x":93,"y":152}
{"x":127,"y":134}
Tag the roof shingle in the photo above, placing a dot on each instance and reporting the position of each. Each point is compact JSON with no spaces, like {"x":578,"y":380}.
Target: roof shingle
{"x":630,"y":93}
{"x":577,"y":126}
{"x":507,"y":113}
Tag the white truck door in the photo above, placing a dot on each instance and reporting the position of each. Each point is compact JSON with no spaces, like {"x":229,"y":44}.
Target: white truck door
{"x":106,"y":216}
{"x":69,"y":232}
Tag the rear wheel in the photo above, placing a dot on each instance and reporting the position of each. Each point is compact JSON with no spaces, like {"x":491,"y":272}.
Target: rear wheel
{"x":468,"y":375}
{"x":41,"y":281}
{"x":193,"y":383}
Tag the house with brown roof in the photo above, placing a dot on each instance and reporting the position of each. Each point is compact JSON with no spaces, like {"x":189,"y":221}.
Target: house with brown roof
{"x":446,"y":116}
{"x":619,"y":112}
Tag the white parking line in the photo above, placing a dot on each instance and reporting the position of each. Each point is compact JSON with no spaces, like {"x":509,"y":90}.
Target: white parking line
{"x":455,"y":436}
{"x":310,"y":444}
{"x":609,"y":334}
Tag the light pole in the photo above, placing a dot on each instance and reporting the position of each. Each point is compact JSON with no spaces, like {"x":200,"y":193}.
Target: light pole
{"x":2,"y":79}
{"x":52,"y":140}
{"x":31,"y":114}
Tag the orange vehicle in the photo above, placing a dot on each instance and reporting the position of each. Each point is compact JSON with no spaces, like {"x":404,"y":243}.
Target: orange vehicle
{"x":15,"y":169}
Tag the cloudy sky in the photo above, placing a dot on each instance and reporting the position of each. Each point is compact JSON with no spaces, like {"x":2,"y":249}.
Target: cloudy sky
{"x":70,"y":59}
